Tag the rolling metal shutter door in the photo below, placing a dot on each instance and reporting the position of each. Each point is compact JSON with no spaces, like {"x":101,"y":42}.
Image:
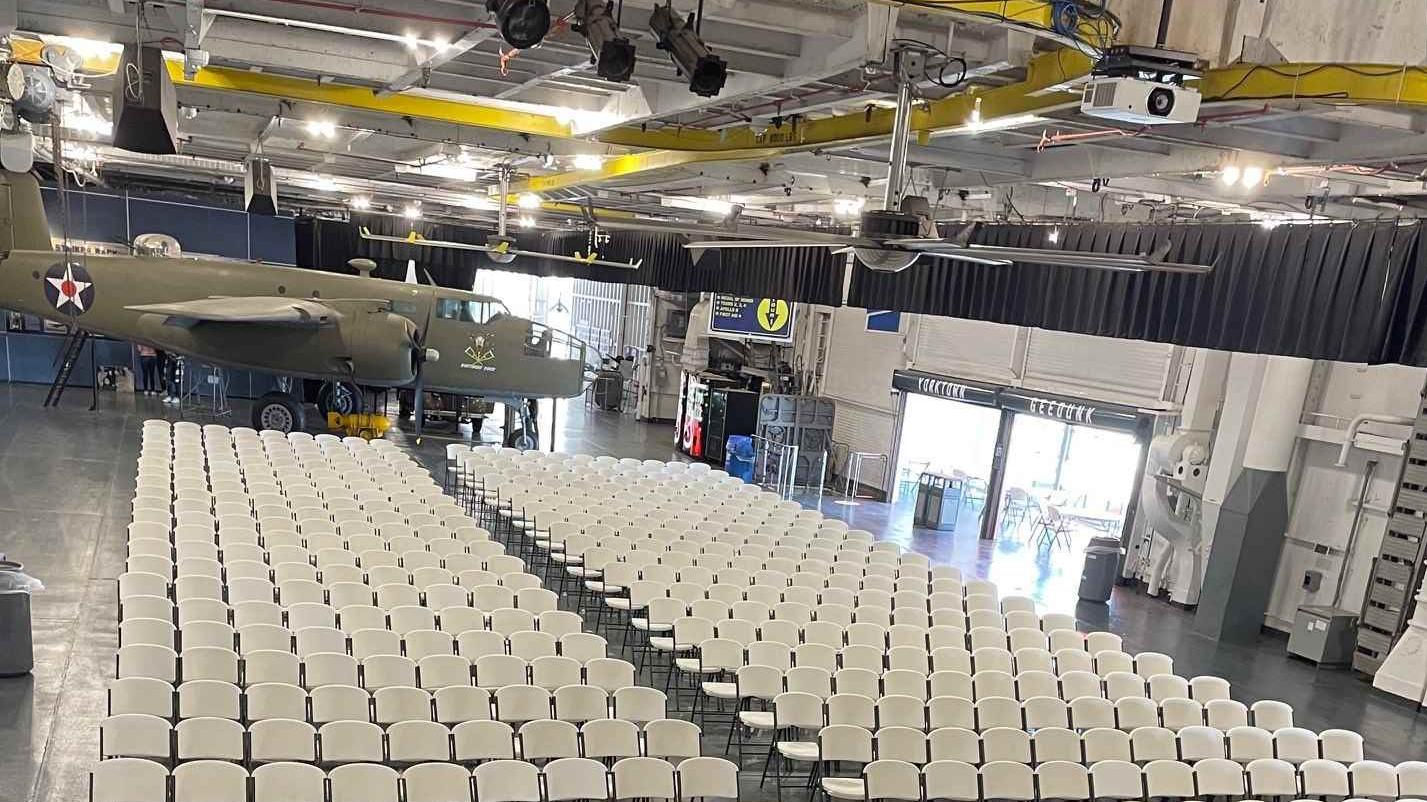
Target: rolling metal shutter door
{"x":861,"y":428}
{"x":1127,"y":371}
{"x":859,"y":381}
{"x":970,"y":349}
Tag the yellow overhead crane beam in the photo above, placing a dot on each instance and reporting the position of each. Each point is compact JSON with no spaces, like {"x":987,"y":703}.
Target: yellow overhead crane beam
{"x":402,"y":104}
{"x":1323,"y":82}
{"x":1038,"y":93}
{"x":672,"y":146}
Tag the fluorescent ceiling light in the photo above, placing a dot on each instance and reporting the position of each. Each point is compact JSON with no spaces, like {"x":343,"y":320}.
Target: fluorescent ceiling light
{"x":449,"y":170}
{"x":588,"y":161}
{"x":712,"y":205}
{"x":528,"y":200}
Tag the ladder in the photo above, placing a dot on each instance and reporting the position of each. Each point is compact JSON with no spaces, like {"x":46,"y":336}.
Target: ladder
{"x":69,"y":354}
{"x":1397,"y":570}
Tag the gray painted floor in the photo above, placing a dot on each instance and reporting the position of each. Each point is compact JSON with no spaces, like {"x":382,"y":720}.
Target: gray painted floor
{"x":66,"y":477}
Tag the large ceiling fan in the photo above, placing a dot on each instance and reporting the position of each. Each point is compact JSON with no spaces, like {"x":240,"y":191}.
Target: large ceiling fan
{"x":500,"y":246}
{"x":894,"y":237}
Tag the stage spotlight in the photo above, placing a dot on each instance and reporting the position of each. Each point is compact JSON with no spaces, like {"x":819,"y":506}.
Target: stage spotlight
{"x":706,"y":72}
{"x":522,"y":23}
{"x":614,"y":55}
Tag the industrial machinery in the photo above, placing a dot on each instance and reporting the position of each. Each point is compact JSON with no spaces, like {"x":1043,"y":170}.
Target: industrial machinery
{"x":1170,"y":499}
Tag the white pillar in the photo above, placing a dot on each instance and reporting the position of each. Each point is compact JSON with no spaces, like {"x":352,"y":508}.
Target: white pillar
{"x":1277,"y":413}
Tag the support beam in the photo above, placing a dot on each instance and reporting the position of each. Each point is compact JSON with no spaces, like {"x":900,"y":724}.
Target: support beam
{"x":460,"y":112}
{"x":418,"y":74}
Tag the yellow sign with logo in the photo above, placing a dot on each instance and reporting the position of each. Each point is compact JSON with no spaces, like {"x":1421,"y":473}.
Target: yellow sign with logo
{"x":752,"y":318}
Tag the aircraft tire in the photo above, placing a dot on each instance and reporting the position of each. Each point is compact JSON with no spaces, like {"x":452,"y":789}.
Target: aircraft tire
{"x":337,"y":397}
{"x":518,"y":439}
{"x":278,"y":410}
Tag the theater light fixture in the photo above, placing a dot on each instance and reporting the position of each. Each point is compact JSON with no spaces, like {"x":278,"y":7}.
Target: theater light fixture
{"x":613,"y":54}
{"x":705,"y":71}
{"x":522,"y":23}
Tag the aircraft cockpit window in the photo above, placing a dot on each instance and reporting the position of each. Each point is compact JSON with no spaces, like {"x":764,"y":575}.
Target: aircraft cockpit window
{"x":463,"y":311}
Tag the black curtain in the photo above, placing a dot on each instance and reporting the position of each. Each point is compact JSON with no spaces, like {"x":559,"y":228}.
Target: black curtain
{"x":1352,"y":291}
{"x":807,"y":275}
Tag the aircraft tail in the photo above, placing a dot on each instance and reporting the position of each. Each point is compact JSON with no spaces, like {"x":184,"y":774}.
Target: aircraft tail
{"x":23,"y":225}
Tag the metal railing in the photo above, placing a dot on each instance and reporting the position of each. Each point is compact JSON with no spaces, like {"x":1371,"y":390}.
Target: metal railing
{"x":852,"y":478}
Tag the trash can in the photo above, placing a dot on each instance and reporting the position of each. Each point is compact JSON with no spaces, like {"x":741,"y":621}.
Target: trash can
{"x":739,"y":459}
{"x":938,"y":502}
{"x":17,"y":654}
{"x":1102,"y":563}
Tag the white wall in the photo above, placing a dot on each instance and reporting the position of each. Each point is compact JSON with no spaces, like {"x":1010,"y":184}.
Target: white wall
{"x":861,"y":363}
{"x":1379,"y":31}
{"x":859,"y":374}
{"x":1325,"y":497}
{"x":859,"y":379}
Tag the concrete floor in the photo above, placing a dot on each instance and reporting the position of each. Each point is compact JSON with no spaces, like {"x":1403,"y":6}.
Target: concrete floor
{"x":66,"y":477}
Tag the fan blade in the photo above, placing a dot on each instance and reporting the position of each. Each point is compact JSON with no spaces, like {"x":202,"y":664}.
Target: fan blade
{"x":1004,"y":255}
{"x":596,"y":262}
{"x":419,"y":401}
{"x":715,"y":244}
{"x":962,"y":256}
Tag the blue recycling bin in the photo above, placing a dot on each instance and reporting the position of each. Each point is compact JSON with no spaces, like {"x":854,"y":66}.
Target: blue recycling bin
{"x":740,"y":456}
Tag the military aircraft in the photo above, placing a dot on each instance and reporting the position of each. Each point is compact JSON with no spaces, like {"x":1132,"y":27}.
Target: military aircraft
{"x":350,"y":329}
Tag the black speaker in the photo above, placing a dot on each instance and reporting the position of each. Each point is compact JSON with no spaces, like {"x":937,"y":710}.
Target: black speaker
{"x":145,"y":109}
{"x":259,"y":187}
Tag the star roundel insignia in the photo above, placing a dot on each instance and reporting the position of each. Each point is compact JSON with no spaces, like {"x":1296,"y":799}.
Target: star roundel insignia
{"x":69,"y":288}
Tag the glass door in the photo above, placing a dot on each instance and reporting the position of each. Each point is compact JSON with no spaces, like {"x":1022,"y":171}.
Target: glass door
{"x":1065,"y":483}
{"x":953,"y":439}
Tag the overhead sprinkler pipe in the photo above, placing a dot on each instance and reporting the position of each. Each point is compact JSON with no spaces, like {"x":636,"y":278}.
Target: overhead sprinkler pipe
{"x":1352,"y":434}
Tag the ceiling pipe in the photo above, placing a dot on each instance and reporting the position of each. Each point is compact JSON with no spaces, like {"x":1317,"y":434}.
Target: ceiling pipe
{"x":368,"y":11}
{"x":1367,"y":417}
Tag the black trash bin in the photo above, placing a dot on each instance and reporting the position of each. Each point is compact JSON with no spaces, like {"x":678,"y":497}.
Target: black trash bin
{"x":1102,"y":564}
{"x":17,"y":653}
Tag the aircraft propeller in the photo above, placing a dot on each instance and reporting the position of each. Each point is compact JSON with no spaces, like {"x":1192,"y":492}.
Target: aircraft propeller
{"x":420,"y":355}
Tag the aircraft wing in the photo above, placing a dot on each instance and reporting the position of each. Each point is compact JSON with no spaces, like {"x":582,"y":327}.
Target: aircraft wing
{"x":501,"y":250}
{"x":260,"y":309}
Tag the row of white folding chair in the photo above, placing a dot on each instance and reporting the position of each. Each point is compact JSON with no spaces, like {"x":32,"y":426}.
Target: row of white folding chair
{"x":350,"y":618}
{"x":338,"y":668}
{"x":422,"y":569}
{"x":1148,"y":742}
{"x":820,"y":665}
{"x":561,"y":636}
{"x":917,"y":746}
{"x":856,"y":689}
{"x":507,"y":780}
{"x":406,"y":740}
{"x":281,"y":547}
{"x":610,"y":692}
{"x":893,"y":779}
{"x":250,"y":582}
{"x":873,"y":644}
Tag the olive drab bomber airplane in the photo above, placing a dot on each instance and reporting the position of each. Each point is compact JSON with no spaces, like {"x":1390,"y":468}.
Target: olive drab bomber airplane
{"x":295,"y":322}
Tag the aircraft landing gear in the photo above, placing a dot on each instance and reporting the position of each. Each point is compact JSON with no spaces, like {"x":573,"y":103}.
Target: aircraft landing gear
{"x":340,"y":397}
{"x":527,"y":437}
{"x":278,"y":410}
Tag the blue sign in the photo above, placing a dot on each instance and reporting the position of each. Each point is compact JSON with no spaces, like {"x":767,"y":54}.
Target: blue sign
{"x":890,"y":322}
{"x":756,"y":318}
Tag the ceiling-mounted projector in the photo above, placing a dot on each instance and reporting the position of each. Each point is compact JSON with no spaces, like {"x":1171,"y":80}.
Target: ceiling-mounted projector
{"x":1142,"y":85}
{"x":1132,"y":100}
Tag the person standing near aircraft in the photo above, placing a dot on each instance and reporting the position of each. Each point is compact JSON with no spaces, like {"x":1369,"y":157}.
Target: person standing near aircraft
{"x":148,"y":369}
